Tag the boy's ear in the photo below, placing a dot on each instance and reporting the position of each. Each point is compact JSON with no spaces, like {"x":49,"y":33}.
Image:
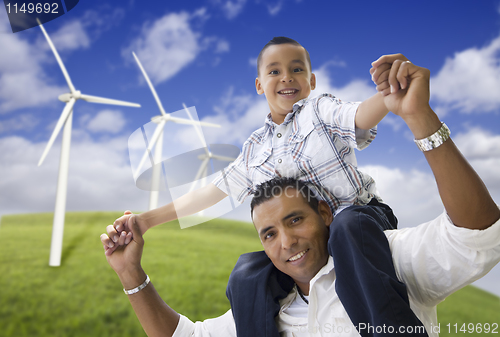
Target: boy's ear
{"x":313,"y":81}
{"x":258,"y":86}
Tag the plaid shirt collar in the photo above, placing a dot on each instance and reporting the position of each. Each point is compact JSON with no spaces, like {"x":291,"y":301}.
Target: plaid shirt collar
{"x":269,"y":125}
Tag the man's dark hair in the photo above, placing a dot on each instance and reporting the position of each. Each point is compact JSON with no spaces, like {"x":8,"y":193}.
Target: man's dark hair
{"x":281,"y":40}
{"x":279,"y":186}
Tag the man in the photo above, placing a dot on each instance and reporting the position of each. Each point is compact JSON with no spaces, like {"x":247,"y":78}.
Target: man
{"x":433,"y":259}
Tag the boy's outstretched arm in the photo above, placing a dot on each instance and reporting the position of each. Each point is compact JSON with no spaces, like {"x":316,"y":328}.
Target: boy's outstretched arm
{"x":190,"y":203}
{"x":370,"y":112}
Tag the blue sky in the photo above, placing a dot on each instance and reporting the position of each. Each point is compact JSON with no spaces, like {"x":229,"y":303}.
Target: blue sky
{"x":202,"y":53}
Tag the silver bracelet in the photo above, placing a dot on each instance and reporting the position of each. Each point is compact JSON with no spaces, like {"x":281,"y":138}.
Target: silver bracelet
{"x":435,"y":140}
{"x":139,"y":288}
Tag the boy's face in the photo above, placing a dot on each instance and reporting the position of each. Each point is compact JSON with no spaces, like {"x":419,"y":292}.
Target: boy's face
{"x":285,"y":78}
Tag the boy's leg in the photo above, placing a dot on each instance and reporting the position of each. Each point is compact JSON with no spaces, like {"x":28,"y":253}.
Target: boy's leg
{"x":254,"y":290}
{"x":366,"y":281}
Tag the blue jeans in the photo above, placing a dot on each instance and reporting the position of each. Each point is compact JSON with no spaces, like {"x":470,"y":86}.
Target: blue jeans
{"x":366,"y":282}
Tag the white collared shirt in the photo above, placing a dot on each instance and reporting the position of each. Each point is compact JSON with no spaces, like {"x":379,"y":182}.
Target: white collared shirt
{"x":434,"y":260}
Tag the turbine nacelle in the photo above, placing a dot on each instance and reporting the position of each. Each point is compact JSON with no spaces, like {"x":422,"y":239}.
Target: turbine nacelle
{"x":66,"y":97}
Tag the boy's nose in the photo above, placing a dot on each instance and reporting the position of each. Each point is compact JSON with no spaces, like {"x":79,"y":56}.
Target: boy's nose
{"x":286,"y":78}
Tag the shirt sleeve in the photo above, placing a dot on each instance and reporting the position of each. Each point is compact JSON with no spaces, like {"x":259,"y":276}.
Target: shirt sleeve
{"x":340,"y":117}
{"x":234,"y":180}
{"x":222,"y":326}
{"x":438,"y":258}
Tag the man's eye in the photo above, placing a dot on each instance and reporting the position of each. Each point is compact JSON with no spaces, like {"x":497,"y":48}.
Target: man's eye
{"x":274,"y":72}
{"x":295,"y":220}
{"x":268,"y":235}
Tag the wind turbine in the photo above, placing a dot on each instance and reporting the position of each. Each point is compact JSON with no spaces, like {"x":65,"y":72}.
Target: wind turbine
{"x":65,"y":119}
{"x":205,"y":158}
{"x":157,"y":138}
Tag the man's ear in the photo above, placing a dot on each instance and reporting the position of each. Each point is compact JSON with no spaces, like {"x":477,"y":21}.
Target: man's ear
{"x":258,"y":86}
{"x":313,"y":81}
{"x":325,"y":212}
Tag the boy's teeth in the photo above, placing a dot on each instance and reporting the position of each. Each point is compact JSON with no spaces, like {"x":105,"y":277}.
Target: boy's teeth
{"x":287,"y":92}
{"x":298,"y":256}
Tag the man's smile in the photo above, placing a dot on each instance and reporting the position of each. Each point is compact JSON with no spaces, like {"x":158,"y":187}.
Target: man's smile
{"x":298,"y":256}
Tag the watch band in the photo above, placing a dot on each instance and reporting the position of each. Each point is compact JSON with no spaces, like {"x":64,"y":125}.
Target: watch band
{"x":137,"y":289}
{"x":435,"y":140}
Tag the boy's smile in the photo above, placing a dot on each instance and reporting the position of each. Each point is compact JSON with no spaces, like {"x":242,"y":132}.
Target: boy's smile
{"x":285,"y":78}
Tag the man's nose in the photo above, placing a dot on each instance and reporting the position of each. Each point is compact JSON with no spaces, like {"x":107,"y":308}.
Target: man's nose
{"x":288,"y":239}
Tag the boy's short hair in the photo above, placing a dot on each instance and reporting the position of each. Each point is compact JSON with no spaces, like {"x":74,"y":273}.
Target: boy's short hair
{"x":281,"y":40}
{"x":279,"y":186}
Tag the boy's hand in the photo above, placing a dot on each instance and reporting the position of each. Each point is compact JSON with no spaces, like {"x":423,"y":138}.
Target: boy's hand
{"x":126,"y":253}
{"x":119,"y":233}
{"x":405,"y":86}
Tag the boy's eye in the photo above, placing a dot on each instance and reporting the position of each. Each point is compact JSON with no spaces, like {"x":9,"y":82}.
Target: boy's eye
{"x":296,"y":70}
{"x":274,"y":72}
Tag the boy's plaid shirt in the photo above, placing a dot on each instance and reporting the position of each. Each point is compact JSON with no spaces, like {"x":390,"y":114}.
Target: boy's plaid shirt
{"x":315,"y":144}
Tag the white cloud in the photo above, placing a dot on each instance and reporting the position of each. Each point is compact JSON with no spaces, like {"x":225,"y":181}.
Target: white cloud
{"x":25,"y":122}
{"x":71,"y":36}
{"x":470,"y":80}
{"x":231,"y":8}
{"x":23,"y":79}
{"x":176,"y":41}
{"x":100,"y":177}
{"x":482,"y":149}
{"x":356,"y":90}
{"x":109,"y":121}
{"x":222,"y":46}
{"x":166,"y":46}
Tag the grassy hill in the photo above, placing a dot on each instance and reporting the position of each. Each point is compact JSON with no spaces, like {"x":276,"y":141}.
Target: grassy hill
{"x":83,"y":297}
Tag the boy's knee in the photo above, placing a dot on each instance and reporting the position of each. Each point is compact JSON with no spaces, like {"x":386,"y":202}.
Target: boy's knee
{"x":353,"y":222}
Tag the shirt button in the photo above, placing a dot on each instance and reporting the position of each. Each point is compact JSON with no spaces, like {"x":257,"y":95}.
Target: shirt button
{"x":279,"y":161}
{"x":278,"y":135}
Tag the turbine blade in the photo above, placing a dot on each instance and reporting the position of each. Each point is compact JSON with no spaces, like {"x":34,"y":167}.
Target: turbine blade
{"x":101,"y":100}
{"x":199,"y":173}
{"x":197,"y":129}
{"x":59,"y":125}
{"x":223,"y":158}
{"x":61,"y":64}
{"x":190,"y":122}
{"x":154,"y":139}
{"x":155,"y":95}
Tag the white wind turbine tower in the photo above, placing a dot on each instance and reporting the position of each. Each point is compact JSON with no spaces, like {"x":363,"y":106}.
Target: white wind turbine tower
{"x":66,"y":119}
{"x":205,"y":158}
{"x":157,"y":139}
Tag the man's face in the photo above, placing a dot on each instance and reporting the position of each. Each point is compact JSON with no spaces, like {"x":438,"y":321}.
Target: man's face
{"x":294,"y":236}
{"x":285,"y":78}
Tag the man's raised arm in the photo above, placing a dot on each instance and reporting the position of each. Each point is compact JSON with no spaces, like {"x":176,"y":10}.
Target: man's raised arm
{"x":156,"y":317}
{"x":405,"y":88}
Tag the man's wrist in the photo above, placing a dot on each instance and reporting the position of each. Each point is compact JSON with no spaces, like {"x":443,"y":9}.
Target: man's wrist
{"x":423,"y":124}
{"x":131,"y":278}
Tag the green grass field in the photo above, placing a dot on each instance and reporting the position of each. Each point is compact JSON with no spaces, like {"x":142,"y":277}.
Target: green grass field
{"x":188,"y":267}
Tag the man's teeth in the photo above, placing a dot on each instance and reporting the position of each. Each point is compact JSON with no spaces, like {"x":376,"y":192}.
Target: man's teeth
{"x":287,"y":92}
{"x":298,"y":256}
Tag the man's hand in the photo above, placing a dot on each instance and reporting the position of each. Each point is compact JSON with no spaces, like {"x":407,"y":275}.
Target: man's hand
{"x":125,"y":253}
{"x":405,"y":86}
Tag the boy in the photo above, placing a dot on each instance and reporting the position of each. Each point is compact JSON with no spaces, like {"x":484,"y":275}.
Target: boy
{"x":311,"y":140}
